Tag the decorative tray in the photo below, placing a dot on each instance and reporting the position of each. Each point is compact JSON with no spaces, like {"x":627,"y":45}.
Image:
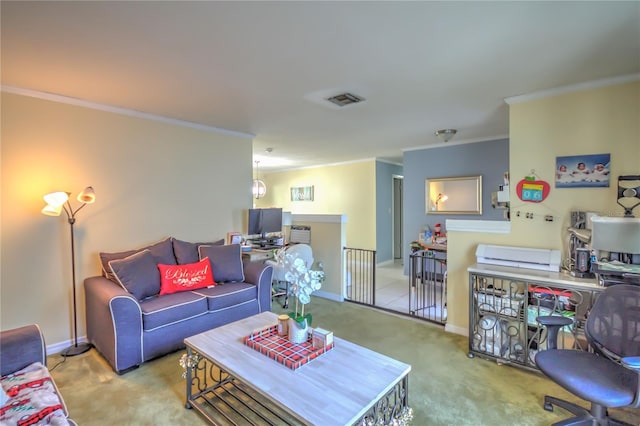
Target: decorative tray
{"x":278,"y":348}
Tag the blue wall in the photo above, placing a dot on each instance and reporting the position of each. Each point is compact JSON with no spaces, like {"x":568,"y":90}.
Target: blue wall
{"x":489,"y":159}
{"x":384,"y":205}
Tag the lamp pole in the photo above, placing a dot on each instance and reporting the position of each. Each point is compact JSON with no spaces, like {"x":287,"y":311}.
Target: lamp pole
{"x":56,"y":202}
{"x":81,"y":348}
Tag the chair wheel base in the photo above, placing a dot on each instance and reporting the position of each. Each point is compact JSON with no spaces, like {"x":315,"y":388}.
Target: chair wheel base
{"x":548,"y":407}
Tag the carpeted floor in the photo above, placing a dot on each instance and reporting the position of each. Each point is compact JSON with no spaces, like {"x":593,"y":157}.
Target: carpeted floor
{"x":445,"y":386}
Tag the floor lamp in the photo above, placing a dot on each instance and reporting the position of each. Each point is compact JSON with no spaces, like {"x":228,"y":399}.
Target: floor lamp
{"x":56,"y":202}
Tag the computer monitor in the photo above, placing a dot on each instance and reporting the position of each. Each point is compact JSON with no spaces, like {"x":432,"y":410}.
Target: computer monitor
{"x":264,"y":221}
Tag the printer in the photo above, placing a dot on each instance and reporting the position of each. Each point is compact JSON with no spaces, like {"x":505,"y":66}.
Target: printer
{"x":519,"y":257}
{"x":616,"y":242}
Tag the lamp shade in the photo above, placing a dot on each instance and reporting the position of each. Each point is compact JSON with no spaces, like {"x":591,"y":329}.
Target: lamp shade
{"x":56,"y":199}
{"x":51,"y":210}
{"x":87,"y":196}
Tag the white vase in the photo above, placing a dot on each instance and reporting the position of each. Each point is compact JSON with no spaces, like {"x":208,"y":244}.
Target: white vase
{"x":298,"y":331}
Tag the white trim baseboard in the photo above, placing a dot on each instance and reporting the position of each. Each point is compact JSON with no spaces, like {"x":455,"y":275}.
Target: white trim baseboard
{"x":56,"y":348}
{"x":463,"y":331}
{"x":327,"y":295}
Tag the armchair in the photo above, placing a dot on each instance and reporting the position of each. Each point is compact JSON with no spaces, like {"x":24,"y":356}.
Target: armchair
{"x":28,"y":393}
{"x":608,"y":377}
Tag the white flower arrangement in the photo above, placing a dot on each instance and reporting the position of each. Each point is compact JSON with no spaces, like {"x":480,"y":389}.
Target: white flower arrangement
{"x":303,"y":281}
{"x":189,"y":361}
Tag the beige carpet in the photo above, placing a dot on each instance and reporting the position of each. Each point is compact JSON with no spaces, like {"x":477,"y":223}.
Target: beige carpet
{"x":445,"y":386}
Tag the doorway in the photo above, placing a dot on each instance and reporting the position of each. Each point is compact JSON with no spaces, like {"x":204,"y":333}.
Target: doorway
{"x":396,"y":216}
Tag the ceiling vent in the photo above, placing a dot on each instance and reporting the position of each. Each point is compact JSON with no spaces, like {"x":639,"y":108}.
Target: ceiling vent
{"x":345,"y":99}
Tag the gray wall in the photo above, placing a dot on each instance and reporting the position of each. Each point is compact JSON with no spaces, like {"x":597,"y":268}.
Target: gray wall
{"x":489,"y":159}
{"x":384,"y":206}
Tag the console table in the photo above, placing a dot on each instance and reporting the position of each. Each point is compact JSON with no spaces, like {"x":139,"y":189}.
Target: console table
{"x":504,"y":303}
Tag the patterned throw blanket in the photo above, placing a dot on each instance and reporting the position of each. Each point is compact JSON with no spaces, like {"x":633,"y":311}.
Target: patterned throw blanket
{"x":32,"y":398}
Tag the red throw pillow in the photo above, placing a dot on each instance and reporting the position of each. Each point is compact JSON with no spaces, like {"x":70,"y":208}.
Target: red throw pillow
{"x":190,"y":276}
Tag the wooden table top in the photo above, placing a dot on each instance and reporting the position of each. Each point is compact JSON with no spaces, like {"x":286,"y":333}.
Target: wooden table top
{"x":436,"y":247}
{"x":337,"y":388}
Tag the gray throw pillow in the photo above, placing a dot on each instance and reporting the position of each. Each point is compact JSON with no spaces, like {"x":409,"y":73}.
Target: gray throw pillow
{"x":186,"y":252}
{"x":161,"y":251}
{"x":226,"y":262}
{"x":105,"y":258}
{"x":138,"y":274}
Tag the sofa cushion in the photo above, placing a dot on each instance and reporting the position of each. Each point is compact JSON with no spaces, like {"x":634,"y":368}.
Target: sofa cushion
{"x":162,"y":252}
{"x":227,"y":295}
{"x":169,"y":309}
{"x":138,"y":274}
{"x":105,"y":258}
{"x":226,"y":262}
{"x":186,"y":252}
{"x":190,"y":276}
{"x":33,"y":398}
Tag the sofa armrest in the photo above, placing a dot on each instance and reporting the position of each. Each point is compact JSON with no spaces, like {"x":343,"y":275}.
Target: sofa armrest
{"x":114,"y":323}
{"x":260,"y":275}
{"x":20,"y":347}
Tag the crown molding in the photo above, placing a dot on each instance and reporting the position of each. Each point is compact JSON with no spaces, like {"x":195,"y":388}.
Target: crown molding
{"x":572,"y":88}
{"x":119,"y":110}
{"x":463,"y":142}
{"x":317,"y":166}
{"x":381,"y":160}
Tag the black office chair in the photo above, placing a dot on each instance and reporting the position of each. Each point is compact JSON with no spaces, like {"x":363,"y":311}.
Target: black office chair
{"x":608,"y":377}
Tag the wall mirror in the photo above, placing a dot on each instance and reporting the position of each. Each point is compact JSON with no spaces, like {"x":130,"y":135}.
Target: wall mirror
{"x":454,"y":195}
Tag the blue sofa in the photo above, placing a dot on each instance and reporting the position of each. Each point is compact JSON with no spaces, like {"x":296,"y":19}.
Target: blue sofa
{"x":129,"y":324}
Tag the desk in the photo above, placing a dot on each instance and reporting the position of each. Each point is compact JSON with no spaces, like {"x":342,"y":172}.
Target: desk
{"x":417,"y":246}
{"x":257,"y":255}
{"x":435,"y":247}
{"x":260,"y":256}
{"x":505,"y":301}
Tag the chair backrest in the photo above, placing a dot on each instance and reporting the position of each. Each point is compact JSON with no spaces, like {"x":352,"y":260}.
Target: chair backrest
{"x":303,"y":251}
{"x":613,"y":325}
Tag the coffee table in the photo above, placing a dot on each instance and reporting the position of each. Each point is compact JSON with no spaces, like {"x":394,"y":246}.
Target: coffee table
{"x":231,"y":383}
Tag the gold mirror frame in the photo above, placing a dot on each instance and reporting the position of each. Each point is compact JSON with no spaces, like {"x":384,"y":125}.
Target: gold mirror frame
{"x":454,"y":195}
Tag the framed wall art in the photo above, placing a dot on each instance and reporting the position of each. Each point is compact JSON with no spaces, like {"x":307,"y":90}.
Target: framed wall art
{"x":579,"y":171}
{"x":234,"y":238}
{"x":302,"y":193}
{"x":454,"y":195}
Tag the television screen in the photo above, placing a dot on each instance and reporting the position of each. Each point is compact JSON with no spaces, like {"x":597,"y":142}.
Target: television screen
{"x":264,"y":221}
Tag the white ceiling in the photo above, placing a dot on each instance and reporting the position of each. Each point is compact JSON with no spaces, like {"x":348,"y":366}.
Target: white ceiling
{"x":263,"y":68}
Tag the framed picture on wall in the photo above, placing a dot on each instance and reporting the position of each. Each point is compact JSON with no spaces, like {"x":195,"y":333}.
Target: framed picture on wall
{"x":234,"y":238}
{"x":302,"y":193}
{"x":579,"y":171}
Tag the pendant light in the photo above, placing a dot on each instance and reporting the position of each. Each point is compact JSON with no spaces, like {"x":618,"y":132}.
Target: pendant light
{"x":259,"y":189}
